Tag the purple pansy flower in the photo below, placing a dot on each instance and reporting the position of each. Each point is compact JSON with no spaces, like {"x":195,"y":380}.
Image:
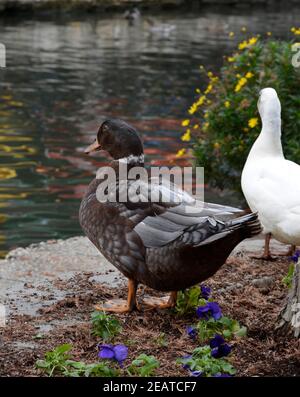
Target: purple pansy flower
{"x":211,"y":309}
{"x":216,"y":341}
{"x":205,"y":291}
{"x":110,"y":352}
{"x":191,"y":331}
{"x":221,"y":351}
{"x":196,"y":373}
{"x":296,"y":256}
{"x":186,"y":357}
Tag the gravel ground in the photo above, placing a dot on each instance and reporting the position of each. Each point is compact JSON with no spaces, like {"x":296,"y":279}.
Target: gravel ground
{"x":50,"y":290}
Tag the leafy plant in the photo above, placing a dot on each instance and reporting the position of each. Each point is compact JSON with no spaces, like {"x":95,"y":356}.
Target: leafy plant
{"x":225,"y":326}
{"x":224,"y":122}
{"x":143,"y":365}
{"x":105,"y":326}
{"x":94,"y":369}
{"x":161,"y":340}
{"x":201,"y":363}
{"x":58,"y":361}
{"x":55,"y":360}
{"x":288,"y":278}
{"x":188,"y":300}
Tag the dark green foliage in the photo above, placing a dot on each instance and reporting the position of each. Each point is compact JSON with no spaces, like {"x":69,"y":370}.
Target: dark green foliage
{"x":225,"y":134}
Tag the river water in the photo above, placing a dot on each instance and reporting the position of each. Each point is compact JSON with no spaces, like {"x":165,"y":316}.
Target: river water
{"x":66,"y":74}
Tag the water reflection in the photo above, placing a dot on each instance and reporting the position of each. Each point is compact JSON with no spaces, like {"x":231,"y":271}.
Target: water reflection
{"x":64,"y":77}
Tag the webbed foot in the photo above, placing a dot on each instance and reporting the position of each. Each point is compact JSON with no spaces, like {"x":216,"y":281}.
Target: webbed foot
{"x":115,"y":306}
{"x":164,"y":302}
{"x":122,"y":305}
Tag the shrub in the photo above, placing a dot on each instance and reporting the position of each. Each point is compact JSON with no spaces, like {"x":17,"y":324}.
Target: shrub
{"x":224,"y":121}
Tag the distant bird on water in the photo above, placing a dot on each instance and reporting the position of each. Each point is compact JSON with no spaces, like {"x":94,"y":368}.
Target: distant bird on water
{"x":132,"y":15}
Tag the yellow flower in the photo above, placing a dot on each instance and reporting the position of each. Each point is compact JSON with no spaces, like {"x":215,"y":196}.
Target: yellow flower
{"x":240,"y":84}
{"x":186,"y":137}
{"x":208,"y":89}
{"x":193,"y":109}
{"x":269,"y":33}
{"x":243,"y":45}
{"x":253,"y":122}
{"x":296,"y":31}
{"x":198,"y":90}
{"x":244,"y":29}
{"x":209,"y":74}
{"x":201,"y":100}
{"x":196,"y":126}
{"x":249,"y":75}
{"x":231,"y":34}
{"x":185,"y":123}
{"x":252,"y":41}
{"x":180,"y":153}
{"x":230,"y":59}
{"x":227,"y":104}
{"x":217,"y":145}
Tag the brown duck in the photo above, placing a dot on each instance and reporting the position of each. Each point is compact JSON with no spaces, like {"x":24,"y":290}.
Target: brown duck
{"x":168,"y":246}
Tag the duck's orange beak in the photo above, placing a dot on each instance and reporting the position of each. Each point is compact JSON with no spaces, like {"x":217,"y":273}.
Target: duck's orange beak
{"x":93,"y":147}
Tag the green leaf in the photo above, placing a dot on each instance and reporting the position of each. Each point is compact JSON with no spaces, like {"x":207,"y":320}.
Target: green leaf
{"x":143,"y":365}
{"x":227,"y":334}
{"x":241,"y":332}
{"x":105,"y":326}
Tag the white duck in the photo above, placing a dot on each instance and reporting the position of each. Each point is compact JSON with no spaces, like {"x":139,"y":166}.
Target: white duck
{"x":270,"y":183}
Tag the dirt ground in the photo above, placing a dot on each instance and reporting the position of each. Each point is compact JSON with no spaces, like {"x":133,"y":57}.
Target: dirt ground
{"x":248,"y":290}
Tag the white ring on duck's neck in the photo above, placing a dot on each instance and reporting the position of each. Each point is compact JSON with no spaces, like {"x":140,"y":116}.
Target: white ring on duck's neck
{"x":132,"y":159}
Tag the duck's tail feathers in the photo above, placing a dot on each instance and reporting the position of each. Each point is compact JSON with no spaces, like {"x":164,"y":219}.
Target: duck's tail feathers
{"x":249,"y":223}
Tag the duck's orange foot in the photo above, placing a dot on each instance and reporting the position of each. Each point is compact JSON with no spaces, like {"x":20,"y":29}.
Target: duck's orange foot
{"x":115,"y":306}
{"x":164,"y":302}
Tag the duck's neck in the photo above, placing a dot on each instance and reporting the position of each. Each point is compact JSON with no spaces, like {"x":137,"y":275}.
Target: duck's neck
{"x":128,"y":163}
{"x":269,"y":141}
{"x":133,"y":160}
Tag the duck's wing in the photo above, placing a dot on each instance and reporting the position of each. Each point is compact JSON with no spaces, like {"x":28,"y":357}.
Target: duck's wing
{"x":167,"y":194}
{"x":190,"y":220}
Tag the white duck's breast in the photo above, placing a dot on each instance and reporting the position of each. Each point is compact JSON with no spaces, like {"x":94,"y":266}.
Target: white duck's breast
{"x":272,"y":188}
